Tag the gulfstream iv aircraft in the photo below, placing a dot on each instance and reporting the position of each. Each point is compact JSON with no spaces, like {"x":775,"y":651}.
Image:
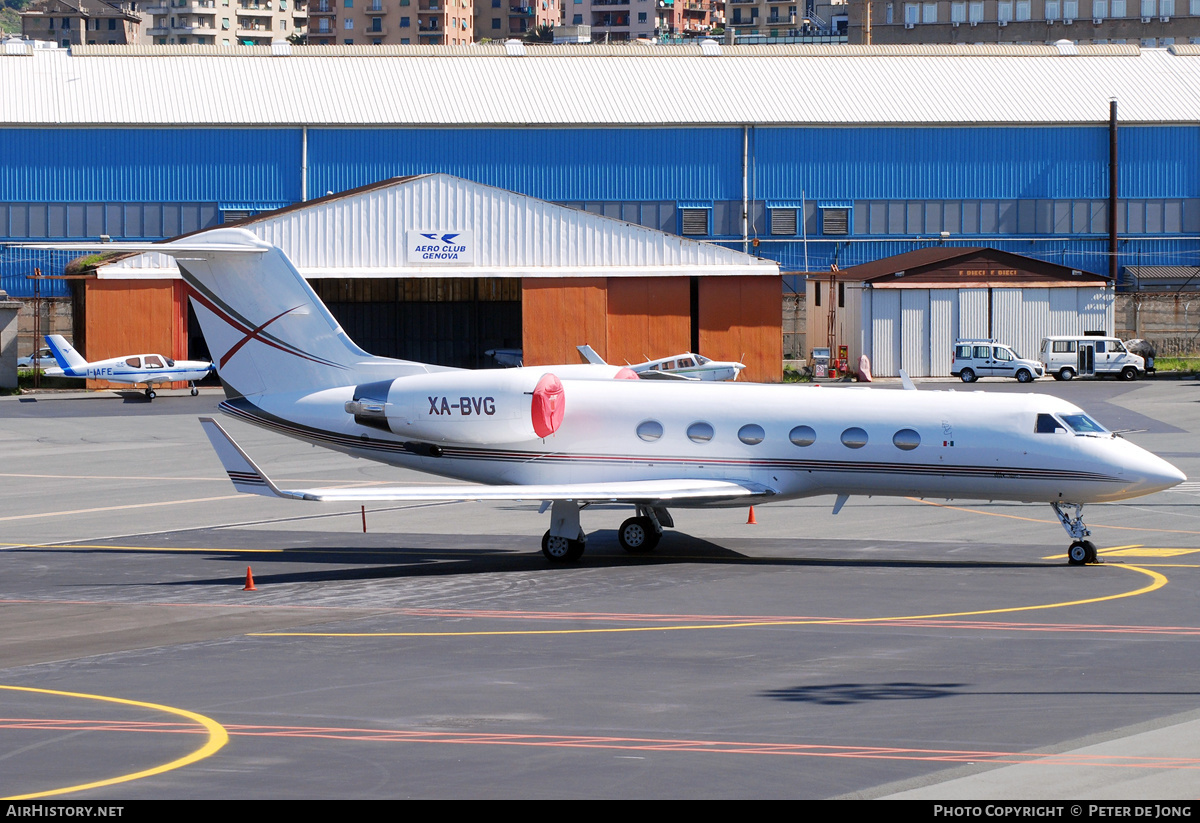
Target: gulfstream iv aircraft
{"x":575,"y":436}
{"x":147,"y":370}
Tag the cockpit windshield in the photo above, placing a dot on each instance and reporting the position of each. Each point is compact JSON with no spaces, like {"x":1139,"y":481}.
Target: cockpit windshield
{"x":1082,"y":424}
{"x":1079,"y":423}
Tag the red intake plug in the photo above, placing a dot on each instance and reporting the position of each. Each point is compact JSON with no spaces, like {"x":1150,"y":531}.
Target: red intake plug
{"x":549,"y":403}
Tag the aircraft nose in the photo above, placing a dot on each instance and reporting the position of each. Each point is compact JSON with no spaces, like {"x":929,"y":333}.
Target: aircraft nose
{"x":1155,"y":474}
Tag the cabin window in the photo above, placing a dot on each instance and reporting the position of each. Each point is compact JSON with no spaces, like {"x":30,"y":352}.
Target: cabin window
{"x":134,"y":362}
{"x":854,"y":438}
{"x":700,"y":432}
{"x":906,"y":440}
{"x":1002,"y":354}
{"x":803,"y":436}
{"x":650,"y":430}
{"x":983,"y":352}
{"x":963,"y":352}
{"x":1064,"y":346}
{"x":1049,"y":424}
{"x":751,"y":434}
{"x":152,"y":362}
{"x":685,"y":363}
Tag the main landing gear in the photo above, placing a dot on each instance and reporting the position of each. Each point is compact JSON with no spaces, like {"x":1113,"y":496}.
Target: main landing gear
{"x":640,"y":534}
{"x":150,"y":395}
{"x":565,"y":541}
{"x":1082,"y":551}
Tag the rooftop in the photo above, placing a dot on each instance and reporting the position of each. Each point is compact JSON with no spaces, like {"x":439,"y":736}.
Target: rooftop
{"x":596,"y":85}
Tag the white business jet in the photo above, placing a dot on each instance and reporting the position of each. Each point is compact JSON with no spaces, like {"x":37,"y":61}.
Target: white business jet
{"x":578,"y":435}
{"x":149,"y":370}
{"x":686,"y":366}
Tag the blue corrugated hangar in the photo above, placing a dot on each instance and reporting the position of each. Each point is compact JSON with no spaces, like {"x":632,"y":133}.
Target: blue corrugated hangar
{"x":809,"y":155}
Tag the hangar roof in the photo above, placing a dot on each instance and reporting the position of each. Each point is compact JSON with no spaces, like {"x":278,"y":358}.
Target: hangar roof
{"x":372,"y":232}
{"x":596,"y":85}
{"x":965,"y":267}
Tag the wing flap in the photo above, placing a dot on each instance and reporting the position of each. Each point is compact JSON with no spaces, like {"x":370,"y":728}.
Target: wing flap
{"x":247,"y":477}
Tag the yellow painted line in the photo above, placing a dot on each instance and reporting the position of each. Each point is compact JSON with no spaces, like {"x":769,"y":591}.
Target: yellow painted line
{"x":1037,"y":520}
{"x":1157,"y":581}
{"x":120,"y":508}
{"x":180,"y":549}
{"x":217,"y":737}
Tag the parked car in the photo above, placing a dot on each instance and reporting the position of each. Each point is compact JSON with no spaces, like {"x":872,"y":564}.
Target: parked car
{"x":973,"y":359}
{"x":42,"y":360}
{"x":1069,"y":356}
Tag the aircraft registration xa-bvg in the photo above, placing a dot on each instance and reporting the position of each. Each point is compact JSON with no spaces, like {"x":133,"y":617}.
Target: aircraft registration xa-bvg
{"x":574,"y":436}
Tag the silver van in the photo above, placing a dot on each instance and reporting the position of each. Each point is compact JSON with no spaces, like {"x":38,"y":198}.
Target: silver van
{"x":973,"y":359}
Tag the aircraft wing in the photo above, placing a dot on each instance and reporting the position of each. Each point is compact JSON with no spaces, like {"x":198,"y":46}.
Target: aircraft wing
{"x":247,"y":477}
{"x":665,"y":375}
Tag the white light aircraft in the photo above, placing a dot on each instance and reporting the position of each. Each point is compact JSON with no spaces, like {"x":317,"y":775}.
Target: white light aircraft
{"x":576,"y":436}
{"x":149,"y":370}
{"x":686,"y":366}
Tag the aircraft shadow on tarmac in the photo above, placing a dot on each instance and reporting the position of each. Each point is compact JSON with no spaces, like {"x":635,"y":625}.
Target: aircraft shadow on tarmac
{"x":841,"y":694}
{"x":439,"y":555}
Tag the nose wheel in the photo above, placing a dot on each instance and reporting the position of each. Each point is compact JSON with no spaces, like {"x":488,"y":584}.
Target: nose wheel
{"x":1082,"y":552}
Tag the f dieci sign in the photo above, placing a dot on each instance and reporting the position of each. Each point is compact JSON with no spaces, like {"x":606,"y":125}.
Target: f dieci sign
{"x":435,"y":247}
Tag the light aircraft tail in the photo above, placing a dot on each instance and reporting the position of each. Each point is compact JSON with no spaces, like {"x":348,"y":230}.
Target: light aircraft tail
{"x":266,"y":328}
{"x":589,"y":355}
{"x":65,"y":353}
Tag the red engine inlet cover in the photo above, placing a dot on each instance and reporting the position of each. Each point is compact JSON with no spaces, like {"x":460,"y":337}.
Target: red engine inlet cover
{"x":549,"y":403}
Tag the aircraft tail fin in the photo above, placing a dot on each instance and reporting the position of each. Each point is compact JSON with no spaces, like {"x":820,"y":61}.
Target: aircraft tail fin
{"x":266,"y":328}
{"x":65,"y":353}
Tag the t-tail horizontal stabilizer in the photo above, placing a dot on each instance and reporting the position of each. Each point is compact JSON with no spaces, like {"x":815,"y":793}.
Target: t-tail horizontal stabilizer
{"x":248,"y":478}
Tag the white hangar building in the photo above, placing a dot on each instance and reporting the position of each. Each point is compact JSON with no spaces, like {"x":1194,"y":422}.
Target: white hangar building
{"x":906,"y":311}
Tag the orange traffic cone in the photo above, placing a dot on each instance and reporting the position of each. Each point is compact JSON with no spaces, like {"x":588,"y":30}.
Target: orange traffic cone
{"x":249,"y":581}
{"x":750,"y":521}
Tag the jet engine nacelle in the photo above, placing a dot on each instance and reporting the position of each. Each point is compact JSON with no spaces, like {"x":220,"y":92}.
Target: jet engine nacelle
{"x":480,"y":408}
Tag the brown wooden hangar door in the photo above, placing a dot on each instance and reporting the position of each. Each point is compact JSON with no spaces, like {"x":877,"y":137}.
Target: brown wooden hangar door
{"x":446,"y":321}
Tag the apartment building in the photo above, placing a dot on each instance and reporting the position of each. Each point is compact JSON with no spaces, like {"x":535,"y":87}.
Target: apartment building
{"x":688,"y":18}
{"x":81,"y":22}
{"x":1137,"y":22}
{"x":503,"y":19}
{"x":613,"y":20}
{"x":380,"y":22}
{"x":797,"y":19}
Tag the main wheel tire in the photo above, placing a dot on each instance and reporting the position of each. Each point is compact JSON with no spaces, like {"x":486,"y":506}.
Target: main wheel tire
{"x":150,"y":395}
{"x":1129,"y":373}
{"x":195,"y":391}
{"x":968,"y":375}
{"x":1065,"y":373}
{"x":561,"y":549}
{"x":1023,"y":376}
{"x":1090,"y":547}
{"x":637,"y":535}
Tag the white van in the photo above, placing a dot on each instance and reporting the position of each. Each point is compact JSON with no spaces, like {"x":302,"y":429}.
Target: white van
{"x":973,"y":359}
{"x":1068,"y":356}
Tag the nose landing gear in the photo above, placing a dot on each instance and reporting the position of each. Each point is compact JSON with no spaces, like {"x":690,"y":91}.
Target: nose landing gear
{"x":1082,"y":552}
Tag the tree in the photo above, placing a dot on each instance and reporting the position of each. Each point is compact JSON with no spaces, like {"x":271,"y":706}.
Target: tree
{"x":540,"y":34}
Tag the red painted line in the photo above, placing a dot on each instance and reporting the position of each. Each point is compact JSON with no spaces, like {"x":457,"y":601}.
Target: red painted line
{"x":682,"y":745}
